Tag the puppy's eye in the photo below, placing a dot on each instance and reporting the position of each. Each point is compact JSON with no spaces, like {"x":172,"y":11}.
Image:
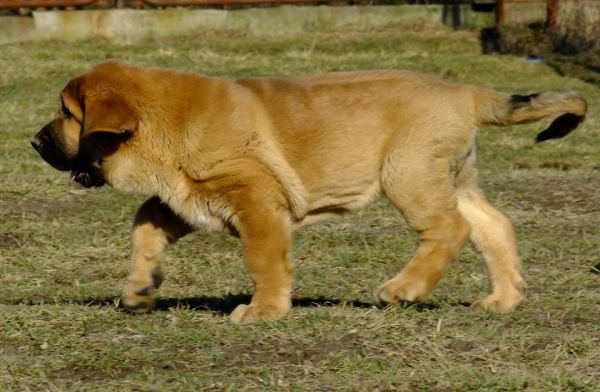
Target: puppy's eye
{"x":67,"y":113}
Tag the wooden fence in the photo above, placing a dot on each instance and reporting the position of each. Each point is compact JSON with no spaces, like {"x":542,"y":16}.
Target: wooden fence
{"x":552,"y":6}
{"x":30,"y":4}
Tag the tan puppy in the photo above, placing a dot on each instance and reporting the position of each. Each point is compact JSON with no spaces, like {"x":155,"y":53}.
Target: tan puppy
{"x":259,"y":157}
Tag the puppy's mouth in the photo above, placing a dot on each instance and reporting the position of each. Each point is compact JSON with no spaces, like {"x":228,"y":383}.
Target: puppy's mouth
{"x":86,"y":178}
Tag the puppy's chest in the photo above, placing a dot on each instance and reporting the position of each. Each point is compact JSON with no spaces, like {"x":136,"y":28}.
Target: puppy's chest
{"x":199,"y":212}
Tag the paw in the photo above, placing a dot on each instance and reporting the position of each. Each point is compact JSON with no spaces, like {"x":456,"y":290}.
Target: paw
{"x":139,"y":301}
{"x":499,"y":303}
{"x":250,"y":313}
{"x":393,"y":292}
{"x":140,"y":295}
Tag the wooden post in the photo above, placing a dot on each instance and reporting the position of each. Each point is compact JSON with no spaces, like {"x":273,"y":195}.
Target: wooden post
{"x":551,"y":12}
{"x":500,"y":12}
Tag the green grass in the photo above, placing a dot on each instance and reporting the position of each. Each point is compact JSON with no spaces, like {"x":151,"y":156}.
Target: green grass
{"x":64,"y":250}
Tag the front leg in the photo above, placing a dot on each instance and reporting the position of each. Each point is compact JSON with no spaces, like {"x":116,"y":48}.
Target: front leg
{"x":266,"y":239}
{"x":155,"y":227}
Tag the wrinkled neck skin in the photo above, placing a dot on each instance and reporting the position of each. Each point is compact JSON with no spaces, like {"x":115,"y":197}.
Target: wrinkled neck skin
{"x":152,"y":165}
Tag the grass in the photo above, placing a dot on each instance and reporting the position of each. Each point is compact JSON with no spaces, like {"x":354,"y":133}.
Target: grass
{"x":64,"y":250}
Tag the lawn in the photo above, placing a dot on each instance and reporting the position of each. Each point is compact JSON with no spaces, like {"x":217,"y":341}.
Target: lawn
{"x":64,"y":250}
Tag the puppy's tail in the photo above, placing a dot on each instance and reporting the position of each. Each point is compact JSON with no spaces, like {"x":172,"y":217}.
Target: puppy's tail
{"x":504,"y":109}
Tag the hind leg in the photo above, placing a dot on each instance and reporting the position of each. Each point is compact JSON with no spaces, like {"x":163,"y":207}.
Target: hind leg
{"x":426,"y":197}
{"x":493,"y":235}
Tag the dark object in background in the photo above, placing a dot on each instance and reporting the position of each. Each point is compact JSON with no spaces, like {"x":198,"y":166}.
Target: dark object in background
{"x":530,"y":40}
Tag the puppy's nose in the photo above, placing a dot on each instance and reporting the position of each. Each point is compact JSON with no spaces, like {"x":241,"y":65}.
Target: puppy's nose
{"x":36,"y":143}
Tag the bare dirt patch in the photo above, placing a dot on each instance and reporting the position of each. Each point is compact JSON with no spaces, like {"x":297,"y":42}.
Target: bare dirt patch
{"x":10,"y":240}
{"x":552,"y":193}
{"x":15,"y":205}
{"x":293,"y":353}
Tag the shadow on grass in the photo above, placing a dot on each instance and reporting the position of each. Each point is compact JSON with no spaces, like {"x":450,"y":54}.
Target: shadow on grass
{"x":226,"y":305}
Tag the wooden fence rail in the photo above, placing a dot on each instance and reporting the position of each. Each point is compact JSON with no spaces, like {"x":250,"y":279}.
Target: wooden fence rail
{"x":16,"y":4}
{"x":179,"y":3}
{"x":552,"y":6}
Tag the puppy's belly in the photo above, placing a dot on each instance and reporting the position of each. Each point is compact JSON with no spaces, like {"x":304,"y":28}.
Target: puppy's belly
{"x":333,"y":201}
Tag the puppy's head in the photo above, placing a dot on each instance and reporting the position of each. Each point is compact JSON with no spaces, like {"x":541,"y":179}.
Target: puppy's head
{"x":95,"y":118}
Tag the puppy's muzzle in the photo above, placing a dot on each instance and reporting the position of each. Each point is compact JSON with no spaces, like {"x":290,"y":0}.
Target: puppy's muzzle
{"x":50,"y":152}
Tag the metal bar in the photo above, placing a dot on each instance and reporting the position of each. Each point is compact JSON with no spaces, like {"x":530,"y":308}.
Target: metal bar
{"x":14,"y":4}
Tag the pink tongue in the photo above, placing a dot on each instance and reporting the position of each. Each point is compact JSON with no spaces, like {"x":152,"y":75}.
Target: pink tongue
{"x":74,"y":174}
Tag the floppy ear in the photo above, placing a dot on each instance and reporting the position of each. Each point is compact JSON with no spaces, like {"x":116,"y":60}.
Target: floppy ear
{"x":109,"y":111}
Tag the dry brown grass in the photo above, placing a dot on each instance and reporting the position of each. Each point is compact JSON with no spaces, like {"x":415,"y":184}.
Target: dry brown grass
{"x":64,"y":250}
